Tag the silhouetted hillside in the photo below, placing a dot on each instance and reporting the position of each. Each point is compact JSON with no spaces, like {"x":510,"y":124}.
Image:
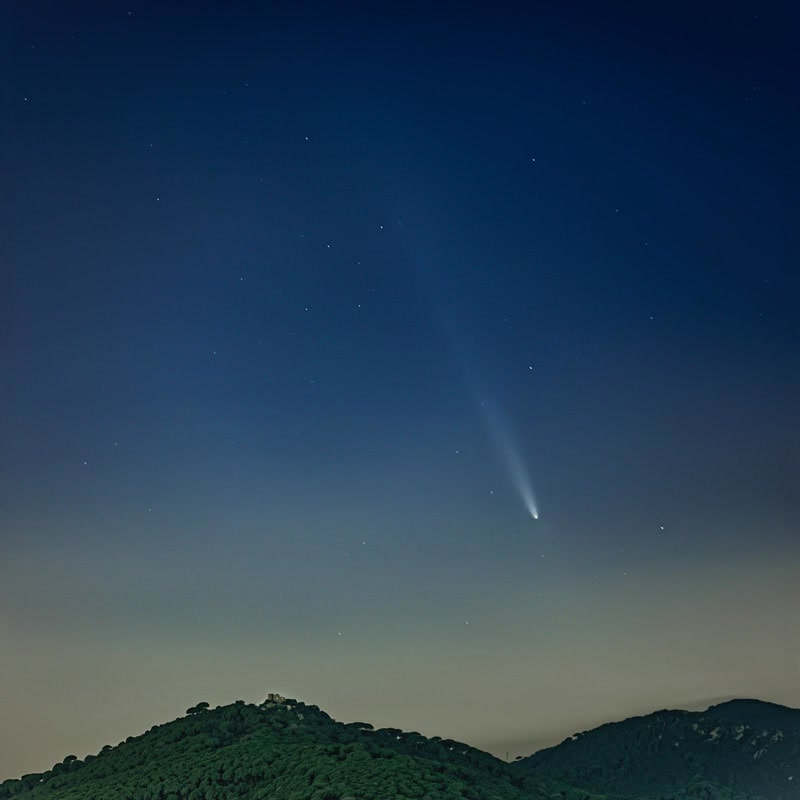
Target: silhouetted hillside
{"x":743,"y":748}
{"x":287,"y":750}
{"x":283,"y":751}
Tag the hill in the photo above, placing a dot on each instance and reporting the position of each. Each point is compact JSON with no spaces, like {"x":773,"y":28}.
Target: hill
{"x":287,"y":750}
{"x":282,"y":750}
{"x":743,"y":749}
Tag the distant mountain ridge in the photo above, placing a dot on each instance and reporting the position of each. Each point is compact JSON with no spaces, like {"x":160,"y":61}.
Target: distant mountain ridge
{"x":748,"y":747}
{"x":283,"y":749}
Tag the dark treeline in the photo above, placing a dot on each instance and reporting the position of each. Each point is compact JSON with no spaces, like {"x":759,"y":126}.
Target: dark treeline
{"x":286,"y":750}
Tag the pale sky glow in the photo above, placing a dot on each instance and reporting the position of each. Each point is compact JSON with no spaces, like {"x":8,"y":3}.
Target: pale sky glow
{"x":309,"y":310}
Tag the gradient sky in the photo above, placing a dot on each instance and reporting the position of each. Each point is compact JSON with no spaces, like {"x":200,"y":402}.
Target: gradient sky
{"x":274,"y":279}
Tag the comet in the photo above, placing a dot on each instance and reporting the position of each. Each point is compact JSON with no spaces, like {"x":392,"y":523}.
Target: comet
{"x":498,"y":430}
{"x":509,"y":454}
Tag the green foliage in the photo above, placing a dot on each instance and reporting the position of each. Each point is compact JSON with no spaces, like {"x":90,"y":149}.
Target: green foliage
{"x":741,"y":750}
{"x":291,"y":751}
{"x":286,"y":751}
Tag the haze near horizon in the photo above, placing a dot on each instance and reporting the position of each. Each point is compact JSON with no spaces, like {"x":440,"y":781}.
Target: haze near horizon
{"x":437,"y":366}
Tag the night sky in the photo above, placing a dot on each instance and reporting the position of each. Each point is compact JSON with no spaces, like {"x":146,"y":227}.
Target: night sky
{"x":305,"y":309}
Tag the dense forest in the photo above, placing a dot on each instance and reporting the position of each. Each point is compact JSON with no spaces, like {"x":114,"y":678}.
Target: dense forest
{"x":748,"y":746}
{"x":287,"y":750}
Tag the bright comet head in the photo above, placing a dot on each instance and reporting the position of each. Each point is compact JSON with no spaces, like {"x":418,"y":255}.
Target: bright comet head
{"x":510,"y":454}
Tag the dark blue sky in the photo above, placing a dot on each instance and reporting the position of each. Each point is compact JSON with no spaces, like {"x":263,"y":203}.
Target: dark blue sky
{"x":288,"y":290}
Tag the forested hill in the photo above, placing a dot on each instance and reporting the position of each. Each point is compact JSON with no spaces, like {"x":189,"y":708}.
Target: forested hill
{"x":282,"y":750}
{"x":749,"y":747}
{"x":287,"y":750}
